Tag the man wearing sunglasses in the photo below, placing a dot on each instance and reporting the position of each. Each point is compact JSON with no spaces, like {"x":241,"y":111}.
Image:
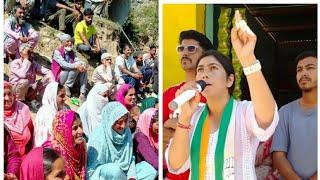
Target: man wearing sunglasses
{"x":191,"y":46}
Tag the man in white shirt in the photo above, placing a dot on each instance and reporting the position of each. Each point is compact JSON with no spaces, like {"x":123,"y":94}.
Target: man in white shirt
{"x":126,"y":68}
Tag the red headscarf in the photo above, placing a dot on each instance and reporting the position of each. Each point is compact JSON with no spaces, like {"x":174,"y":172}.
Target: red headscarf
{"x":74,"y":156}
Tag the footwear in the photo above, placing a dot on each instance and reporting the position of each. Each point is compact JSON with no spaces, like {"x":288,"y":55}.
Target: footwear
{"x":82,"y":98}
{"x":68,"y":93}
{"x":35,"y":105}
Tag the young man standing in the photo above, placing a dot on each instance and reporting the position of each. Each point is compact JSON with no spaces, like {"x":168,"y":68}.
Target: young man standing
{"x":294,"y":146}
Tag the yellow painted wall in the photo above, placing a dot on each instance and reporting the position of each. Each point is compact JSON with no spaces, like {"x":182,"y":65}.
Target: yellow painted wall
{"x":177,"y":18}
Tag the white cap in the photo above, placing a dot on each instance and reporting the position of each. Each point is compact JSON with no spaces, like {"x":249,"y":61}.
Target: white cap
{"x":64,"y":37}
{"x":24,"y":46}
{"x":105,"y":55}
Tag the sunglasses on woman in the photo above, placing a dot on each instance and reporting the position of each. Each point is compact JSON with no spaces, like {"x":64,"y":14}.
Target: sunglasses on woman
{"x":190,"y":48}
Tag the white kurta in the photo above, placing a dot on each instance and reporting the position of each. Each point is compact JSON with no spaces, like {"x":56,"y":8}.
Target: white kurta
{"x":247,"y":137}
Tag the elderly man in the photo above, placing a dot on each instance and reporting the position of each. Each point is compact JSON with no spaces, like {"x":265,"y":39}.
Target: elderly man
{"x":23,"y":75}
{"x":66,"y":67}
{"x":16,"y":32}
{"x":104,"y":73}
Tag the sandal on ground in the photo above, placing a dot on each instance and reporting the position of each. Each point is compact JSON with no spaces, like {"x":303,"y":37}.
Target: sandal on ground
{"x":35,"y":105}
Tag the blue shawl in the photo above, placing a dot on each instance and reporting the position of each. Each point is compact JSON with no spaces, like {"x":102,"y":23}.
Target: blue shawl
{"x":107,"y":146}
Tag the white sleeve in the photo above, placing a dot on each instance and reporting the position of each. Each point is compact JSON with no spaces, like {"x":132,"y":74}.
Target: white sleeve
{"x":118,"y":61}
{"x":183,"y":168}
{"x":252,"y":124}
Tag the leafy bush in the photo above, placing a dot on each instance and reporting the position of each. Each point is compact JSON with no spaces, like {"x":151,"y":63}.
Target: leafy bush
{"x":142,"y":24}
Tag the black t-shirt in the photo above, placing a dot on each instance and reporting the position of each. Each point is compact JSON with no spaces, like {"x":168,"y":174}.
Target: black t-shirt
{"x":52,"y":7}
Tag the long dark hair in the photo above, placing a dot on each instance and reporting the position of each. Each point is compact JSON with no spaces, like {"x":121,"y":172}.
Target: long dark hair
{"x":224,"y":61}
{"x":49,"y":157}
{"x":59,"y":88}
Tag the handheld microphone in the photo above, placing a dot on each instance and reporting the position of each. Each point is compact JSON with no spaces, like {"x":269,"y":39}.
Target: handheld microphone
{"x":186,"y":96}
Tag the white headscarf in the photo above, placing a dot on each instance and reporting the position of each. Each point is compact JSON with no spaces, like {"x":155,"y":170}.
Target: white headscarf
{"x":45,"y":115}
{"x":90,"y":111}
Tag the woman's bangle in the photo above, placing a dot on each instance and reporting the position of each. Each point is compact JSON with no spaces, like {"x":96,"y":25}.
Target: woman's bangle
{"x":183,"y":126}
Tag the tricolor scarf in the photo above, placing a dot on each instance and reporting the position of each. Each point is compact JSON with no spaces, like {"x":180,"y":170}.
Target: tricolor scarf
{"x":223,"y":154}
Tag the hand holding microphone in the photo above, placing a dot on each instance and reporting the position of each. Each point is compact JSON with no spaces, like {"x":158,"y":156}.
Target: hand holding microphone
{"x":188,"y":97}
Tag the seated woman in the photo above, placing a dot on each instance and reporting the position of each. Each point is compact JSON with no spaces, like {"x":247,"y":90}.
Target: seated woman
{"x":135,"y":114}
{"x":43,"y":163}
{"x":90,"y":111}
{"x":69,"y":142}
{"x":219,"y":140}
{"x":126,"y":95}
{"x":145,"y":141}
{"x":110,"y":149}
{"x":17,"y":118}
{"x":53,"y":100}
{"x":12,"y":158}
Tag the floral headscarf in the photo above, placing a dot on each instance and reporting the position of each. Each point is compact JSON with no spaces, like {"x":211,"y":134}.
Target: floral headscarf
{"x":74,"y":156}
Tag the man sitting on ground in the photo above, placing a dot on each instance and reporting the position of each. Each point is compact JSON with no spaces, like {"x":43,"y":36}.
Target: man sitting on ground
{"x":66,"y":67}
{"x":85,"y":35}
{"x":23,"y":75}
{"x":126,"y":68}
{"x":104,"y":73}
{"x":17,"y":32}
{"x":56,"y":14}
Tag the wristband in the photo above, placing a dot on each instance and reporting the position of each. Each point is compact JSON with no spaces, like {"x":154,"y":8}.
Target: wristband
{"x":253,"y":68}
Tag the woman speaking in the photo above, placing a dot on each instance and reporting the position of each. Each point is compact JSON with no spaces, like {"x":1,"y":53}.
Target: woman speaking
{"x":218,"y":140}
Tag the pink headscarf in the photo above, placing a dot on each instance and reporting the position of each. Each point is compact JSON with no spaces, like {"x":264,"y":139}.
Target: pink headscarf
{"x":145,"y":126}
{"x":32,"y":165}
{"x":8,"y":112}
{"x":121,"y":93}
{"x":74,"y":156}
{"x":18,"y":116}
